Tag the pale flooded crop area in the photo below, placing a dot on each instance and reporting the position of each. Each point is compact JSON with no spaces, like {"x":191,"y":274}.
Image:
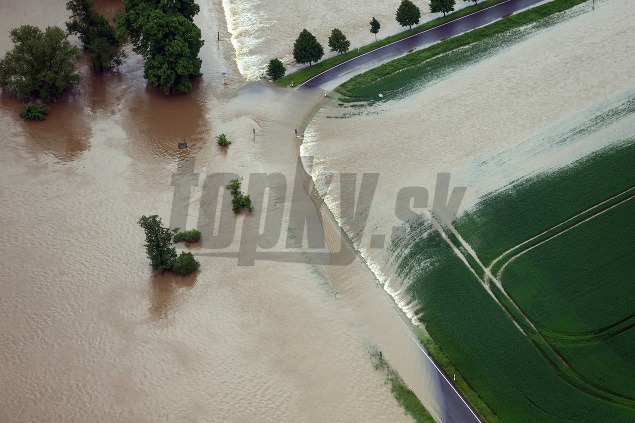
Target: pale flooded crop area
{"x":536,"y":105}
{"x":89,"y":333}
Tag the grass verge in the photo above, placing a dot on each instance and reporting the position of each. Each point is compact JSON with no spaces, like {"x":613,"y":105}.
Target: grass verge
{"x":305,"y":74}
{"x":443,"y":361}
{"x":404,"y":396}
{"x":364,"y":87}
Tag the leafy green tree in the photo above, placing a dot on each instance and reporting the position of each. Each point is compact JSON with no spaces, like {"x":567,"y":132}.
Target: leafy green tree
{"x":97,"y":35}
{"x":275,"y":69}
{"x":338,"y":41}
{"x":374,"y":27}
{"x":306,"y":48}
{"x":185,"y":264}
{"x":42,"y":64}
{"x":408,"y":14}
{"x":158,"y":242}
{"x":444,"y":6}
{"x":163,"y":32}
{"x":34,"y":111}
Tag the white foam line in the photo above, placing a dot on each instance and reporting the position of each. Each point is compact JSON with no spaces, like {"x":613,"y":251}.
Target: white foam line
{"x":402,"y":39}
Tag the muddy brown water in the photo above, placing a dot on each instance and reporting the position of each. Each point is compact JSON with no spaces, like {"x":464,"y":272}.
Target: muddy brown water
{"x":89,"y":333}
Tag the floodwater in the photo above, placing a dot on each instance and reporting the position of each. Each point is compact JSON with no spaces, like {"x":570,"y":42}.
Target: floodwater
{"x":559,"y":95}
{"x":261,"y":30}
{"x":88,"y":333}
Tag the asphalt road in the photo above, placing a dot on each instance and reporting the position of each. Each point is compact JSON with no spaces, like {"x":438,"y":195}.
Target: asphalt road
{"x":456,"y":408}
{"x":333,"y":77}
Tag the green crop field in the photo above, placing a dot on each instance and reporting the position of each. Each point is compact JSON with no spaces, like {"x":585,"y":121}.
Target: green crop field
{"x":587,"y":267}
{"x":554,"y":341}
{"x":506,"y":219}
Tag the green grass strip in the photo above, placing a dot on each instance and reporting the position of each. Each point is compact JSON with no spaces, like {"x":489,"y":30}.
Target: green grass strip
{"x":358,"y":86}
{"x":305,"y":74}
{"x":404,"y":396}
{"x":467,"y":390}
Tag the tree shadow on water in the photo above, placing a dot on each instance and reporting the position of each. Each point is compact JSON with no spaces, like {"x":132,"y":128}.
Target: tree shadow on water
{"x":168,"y":293}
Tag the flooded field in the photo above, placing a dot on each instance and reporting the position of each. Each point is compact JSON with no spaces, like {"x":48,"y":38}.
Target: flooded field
{"x":88,"y":333}
{"x":539,"y":104}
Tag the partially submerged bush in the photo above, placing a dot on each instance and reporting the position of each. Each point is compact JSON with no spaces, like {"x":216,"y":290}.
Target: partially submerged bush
{"x":222,"y":140}
{"x":185,"y":264}
{"x":34,"y":111}
{"x":241,"y":201}
{"x":234,"y":186}
{"x":193,"y":235}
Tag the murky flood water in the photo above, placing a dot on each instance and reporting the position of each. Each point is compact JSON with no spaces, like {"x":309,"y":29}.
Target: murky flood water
{"x":88,"y":333}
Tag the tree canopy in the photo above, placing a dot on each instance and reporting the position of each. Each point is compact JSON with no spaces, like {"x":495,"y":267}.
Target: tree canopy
{"x":158,"y":242}
{"x":408,"y":14}
{"x":42,"y":63}
{"x":374,"y":27}
{"x":338,"y":41}
{"x":97,"y":35}
{"x":444,"y":6}
{"x":275,"y":69}
{"x":306,"y":48}
{"x":163,"y":32}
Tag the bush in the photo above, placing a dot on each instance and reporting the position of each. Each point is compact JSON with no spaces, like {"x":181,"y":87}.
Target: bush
{"x":222,"y":140}
{"x":185,"y":264}
{"x":241,"y":201}
{"x":193,"y":235}
{"x":234,"y":187}
{"x":34,"y":111}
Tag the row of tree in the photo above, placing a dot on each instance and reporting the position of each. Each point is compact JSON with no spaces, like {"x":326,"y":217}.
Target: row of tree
{"x":307,"y":49}
{"x":42,"y":64}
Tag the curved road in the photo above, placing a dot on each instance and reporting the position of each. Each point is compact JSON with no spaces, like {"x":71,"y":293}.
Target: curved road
{"x":456,"y":408}
{"x":333,"y":77}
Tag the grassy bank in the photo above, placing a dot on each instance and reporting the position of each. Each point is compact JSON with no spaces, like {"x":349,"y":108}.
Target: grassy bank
{"x":307,"y":73}
{"x":404,"y":396}
{"x":391,"y":76}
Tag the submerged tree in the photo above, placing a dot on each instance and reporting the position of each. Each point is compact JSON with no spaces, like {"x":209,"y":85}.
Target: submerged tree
{"x":374,"y":27}
{"x":408,"y":14}
{"x":338,"y":41}
{"x":97,"y":35}
{"x":306,"y":48}
{"x":158,"y":243}
{"x":42,"y":64}
{"x":165,"y":35}
{"x":275,"y":69}
{"x":444,"y":6}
